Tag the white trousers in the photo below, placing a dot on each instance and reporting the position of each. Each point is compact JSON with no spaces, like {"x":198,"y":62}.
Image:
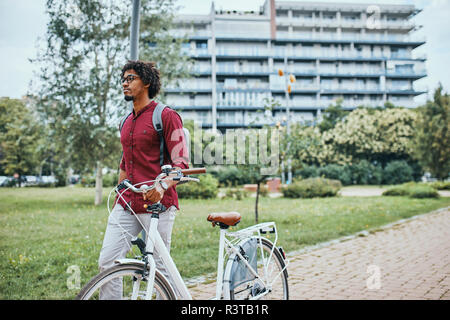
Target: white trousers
{"x":121,"y":228}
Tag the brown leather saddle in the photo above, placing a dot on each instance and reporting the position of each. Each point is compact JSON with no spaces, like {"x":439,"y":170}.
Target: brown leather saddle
{"x":224,"y":219}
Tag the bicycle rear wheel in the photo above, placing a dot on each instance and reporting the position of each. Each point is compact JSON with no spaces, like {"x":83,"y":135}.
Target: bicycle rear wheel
{"x":271,"y":269}
{"x":129,"y":277}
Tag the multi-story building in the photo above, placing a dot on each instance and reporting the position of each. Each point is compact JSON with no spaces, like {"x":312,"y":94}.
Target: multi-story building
{"x":360,"y":53}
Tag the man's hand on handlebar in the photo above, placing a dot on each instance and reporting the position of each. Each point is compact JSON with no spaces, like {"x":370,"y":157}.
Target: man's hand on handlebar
{"x":162,"y":184}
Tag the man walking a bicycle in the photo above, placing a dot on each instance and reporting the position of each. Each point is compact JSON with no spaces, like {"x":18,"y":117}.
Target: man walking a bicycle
{"x":141,"y":161}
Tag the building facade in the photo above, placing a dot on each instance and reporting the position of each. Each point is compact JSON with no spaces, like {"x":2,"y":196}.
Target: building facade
{"x":360,"y":53}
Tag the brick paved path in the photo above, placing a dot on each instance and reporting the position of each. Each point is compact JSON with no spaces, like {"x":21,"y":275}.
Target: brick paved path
{"x":409,"y":260}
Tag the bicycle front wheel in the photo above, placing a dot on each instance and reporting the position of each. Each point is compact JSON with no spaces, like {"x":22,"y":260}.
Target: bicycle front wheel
{"x":271,"y":270}
{"x":128,"y":284}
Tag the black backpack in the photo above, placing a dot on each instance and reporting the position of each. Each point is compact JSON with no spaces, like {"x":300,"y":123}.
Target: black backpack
{"x":158,"y":125}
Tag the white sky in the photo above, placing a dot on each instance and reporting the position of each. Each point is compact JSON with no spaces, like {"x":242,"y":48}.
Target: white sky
{"x":23,"y":21}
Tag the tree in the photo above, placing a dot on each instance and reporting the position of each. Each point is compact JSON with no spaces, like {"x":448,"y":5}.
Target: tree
{"x":261,"y":155}
{"x":374,"y":135}
{"x":332,"y":115}
{"x":19,"y":136}
{"x":432,"y":139}
{"x":87,"y":43}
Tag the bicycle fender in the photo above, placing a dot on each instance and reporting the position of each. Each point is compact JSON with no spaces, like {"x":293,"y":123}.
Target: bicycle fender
{"x":129,"y":261}
{"x":141,"y":264}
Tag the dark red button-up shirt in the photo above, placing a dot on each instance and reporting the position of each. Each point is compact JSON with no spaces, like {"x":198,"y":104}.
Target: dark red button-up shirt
{"x":140,"y":160}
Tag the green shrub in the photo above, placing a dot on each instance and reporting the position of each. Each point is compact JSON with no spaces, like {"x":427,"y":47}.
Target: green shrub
{"x":440,"y":185}
{"x":413,"y":190}
{"x":236,"y":193}
{"x":423,"y":191}
{"x":311,"y":188}
{"x":307,"y":172}
{"x":207,"y":188}
{"x":364,"y":172}
{"x":233,"y":176}
{"x":110,"y":179}
{"x":87,"y":181}
{"x":336,"y":172}
{"x":396,"y":191}
{"x":397,"y":171}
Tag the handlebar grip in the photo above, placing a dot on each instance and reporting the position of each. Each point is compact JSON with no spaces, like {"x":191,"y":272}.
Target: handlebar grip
{"x":193,"y":171}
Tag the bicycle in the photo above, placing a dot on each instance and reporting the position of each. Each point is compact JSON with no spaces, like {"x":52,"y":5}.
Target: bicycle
{"x":255,"y":267}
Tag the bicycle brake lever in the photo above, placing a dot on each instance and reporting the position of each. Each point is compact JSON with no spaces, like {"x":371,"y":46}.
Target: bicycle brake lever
{"x":122,"y":185}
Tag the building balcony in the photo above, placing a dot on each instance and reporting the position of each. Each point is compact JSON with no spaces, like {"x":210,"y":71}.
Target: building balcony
{"x":349,"y":38}
{"x":350,"y":90}
{"x":243,"y":52}
{"x":406,"y":74}
{"x":191,"y":89}
{"x":246,"y":71}
{"x":345,"y":23}
{"x":296,"y":88}
{"x":406,"y":91}
{"x":245,"y":87}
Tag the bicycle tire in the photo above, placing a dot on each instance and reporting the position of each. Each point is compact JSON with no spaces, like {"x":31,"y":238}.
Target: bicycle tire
{"x":249,"y":287}
{"x":91,"y":289}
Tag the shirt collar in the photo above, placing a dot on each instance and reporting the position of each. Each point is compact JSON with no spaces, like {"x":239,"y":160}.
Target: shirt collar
{"x":151,"y":104}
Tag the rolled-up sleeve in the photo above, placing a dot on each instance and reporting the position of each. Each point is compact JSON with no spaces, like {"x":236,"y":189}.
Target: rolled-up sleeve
{"x":122,"y":163}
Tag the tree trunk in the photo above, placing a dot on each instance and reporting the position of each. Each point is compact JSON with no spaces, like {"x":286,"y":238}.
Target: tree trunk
{"x":98,"y":184}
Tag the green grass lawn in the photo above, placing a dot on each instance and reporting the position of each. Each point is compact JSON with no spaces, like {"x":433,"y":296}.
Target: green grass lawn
{"x":45,"y":231}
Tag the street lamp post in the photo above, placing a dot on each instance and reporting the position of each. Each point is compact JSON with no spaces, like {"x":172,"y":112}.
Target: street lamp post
{"x":134,"y":37}
{"x":134,"y":48}
{"x":288,"y":80}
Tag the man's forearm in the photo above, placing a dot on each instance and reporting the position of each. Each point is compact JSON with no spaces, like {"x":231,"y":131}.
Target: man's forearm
{"x":122,"y":176}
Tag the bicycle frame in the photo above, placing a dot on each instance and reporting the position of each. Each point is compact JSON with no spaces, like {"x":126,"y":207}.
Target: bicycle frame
{"x":232,"y":251}
{"x":155,"y":242}
{"x":226,"y":247}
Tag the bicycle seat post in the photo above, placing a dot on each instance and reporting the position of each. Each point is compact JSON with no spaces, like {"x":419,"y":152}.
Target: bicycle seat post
{"x":220,"y":260}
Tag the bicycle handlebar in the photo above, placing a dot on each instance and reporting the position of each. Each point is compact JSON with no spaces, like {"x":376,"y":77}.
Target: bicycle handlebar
{"x":193,"y":171}
{"x":144,"y":188}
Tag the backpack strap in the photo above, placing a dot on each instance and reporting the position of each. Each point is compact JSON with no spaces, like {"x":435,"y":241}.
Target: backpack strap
{"x":158,"y":125}
{"x":122,"y":122}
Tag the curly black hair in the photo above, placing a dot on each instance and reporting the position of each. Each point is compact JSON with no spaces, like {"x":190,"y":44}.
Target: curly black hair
{"x":147,"y":72}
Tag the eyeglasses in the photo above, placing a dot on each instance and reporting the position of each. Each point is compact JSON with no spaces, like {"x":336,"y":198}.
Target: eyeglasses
{"x":129,"y":78}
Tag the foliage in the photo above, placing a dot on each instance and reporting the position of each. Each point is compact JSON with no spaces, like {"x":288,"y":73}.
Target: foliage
{"x":397,"y":172}
{"x":87,"y":43}
{"x":432,"y":140}
{"x":413,"y":190}
{"x":230,"y":175}
{"x":440,"y":185}
{"x":373,"y":135}
{"x":362,"y":172}
{"x":20,"y":136}
{"x":332,"y":116}
{"x":207,"y":188}
{"x":156,"y":42}
{"x":311,"y":188}
{"x":236,"y":193}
